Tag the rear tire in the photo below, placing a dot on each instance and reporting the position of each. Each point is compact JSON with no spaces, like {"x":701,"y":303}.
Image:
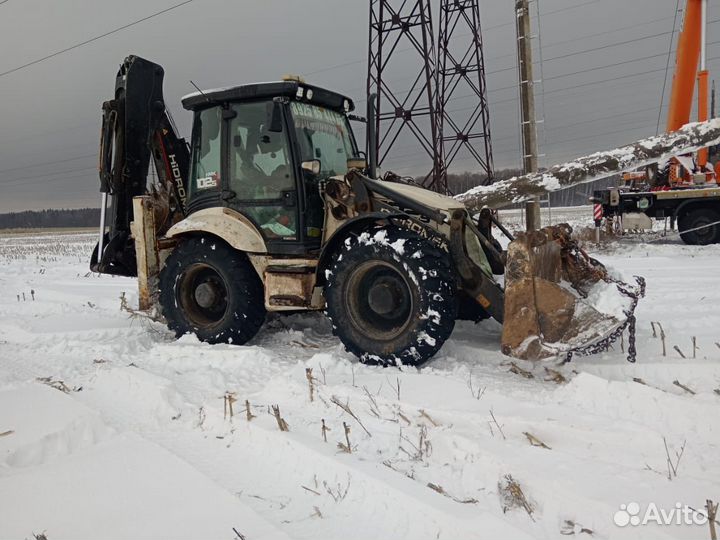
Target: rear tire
{"x":391,"y":297}
{"x":210,"y":289}
{"x":694,"y":219}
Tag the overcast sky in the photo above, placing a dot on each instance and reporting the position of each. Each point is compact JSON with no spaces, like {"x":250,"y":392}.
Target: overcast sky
{"x":50,"y":112}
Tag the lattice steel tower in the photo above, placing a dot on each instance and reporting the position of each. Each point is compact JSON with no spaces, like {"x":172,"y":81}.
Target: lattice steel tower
{"x":419,"y":104}
{"x":396,"y":27}
{"x":461,"y":72}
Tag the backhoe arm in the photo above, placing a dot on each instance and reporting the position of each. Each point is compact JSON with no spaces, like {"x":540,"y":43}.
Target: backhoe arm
{"x":136,"y":127}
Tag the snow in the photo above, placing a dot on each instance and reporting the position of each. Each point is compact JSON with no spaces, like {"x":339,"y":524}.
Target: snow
{"x":380,"y":238}
{"x":139,"y":445}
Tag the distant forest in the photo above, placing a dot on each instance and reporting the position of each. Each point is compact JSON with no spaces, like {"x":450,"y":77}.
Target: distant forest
{"x":44,"y":219}
{"x":458,"y":183}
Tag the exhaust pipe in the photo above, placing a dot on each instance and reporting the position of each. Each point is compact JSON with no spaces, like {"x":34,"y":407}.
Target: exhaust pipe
{"x":372,"y":142}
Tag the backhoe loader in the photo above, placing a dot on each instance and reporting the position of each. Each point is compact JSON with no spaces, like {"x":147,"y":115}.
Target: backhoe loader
{"x":272,"y":207}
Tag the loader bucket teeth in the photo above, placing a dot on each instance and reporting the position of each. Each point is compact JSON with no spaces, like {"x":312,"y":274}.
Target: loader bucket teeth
{"x":547,"y":279}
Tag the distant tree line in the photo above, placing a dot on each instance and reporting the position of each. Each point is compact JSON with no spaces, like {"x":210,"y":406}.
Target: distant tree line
{"x":45,"y":219}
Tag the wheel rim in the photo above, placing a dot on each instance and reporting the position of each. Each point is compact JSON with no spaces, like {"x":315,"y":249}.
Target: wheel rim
{"x":379,"y":300}
{"x":705,"y":234}
{"x":202,"y":294}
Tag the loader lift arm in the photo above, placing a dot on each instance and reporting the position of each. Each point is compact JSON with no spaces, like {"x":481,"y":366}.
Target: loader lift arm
{"x":136,"y":126}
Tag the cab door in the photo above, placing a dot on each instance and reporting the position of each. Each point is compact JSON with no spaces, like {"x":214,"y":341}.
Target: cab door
{"x":261,"y":175}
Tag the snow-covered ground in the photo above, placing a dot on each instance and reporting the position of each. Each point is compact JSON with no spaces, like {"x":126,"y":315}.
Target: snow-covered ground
{"x":110,"y":428}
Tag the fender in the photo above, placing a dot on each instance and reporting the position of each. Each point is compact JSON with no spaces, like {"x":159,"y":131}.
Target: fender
{"x":225,"y":223}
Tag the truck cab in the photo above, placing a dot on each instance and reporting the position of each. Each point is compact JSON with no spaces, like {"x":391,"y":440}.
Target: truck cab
{"x":263,"y":150}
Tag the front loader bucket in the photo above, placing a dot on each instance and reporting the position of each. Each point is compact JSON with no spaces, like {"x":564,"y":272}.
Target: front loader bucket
{"x":559,"y":301}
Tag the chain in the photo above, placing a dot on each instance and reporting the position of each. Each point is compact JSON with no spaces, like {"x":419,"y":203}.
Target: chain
{"x":604,"y":344}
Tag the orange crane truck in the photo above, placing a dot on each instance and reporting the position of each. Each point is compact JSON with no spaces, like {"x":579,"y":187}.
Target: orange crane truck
{"x":684,"y":189}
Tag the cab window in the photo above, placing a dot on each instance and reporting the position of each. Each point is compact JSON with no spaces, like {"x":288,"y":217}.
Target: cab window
{"x":261,"y":172}
{"x":323,"y":135}
{"x":206,"y":151}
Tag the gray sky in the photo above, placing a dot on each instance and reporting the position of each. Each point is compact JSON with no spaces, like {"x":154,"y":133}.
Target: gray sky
{"x":50,"y":112}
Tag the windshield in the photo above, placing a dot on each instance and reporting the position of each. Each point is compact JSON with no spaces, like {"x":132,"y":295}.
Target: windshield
{"x":323,"y":135}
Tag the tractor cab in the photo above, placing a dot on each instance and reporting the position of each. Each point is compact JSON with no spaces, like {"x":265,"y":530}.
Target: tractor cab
{"x":264,"y":150}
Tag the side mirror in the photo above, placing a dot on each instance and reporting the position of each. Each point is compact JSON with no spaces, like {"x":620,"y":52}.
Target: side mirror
{"x":311,"y":166}
{"x":274,"y":117}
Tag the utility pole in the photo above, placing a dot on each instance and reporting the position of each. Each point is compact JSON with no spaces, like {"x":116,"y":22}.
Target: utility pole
{"x":527,"y":106}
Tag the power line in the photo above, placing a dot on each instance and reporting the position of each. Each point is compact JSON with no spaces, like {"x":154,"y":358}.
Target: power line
{"x":614,"y":132}
{"x":47,"y":163}
{"x":614,"y":64}
{"x":21,"y":180}
{"x":608,"y":46}
{"x":77,"y":45}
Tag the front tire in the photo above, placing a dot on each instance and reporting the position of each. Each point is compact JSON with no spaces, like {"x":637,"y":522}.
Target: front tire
{"x":391,"y":297}
{"x":210,"y":289}
{"x":696,"y":227}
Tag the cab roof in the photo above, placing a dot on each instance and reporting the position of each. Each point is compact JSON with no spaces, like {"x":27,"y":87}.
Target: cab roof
{"x":294,"y":90}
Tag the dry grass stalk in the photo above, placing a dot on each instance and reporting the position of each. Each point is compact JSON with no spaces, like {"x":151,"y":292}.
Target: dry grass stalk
{"x":481,"y":391}
{"x":512,"y":496}
{"x":439,"y":489}
{"x":58,"y":385}
{"x":652,"y":324}
{"x":494,"y":421}
{"x":228,"y":400}
{"x":311,"y":387}
{"x":339,"y":493}
{"x":404,"y":418}
{"x":570,"y":528}
{"x":514,"y":368}
{"x":6,"y":433}
{"x":639,"y":381}
{"x":534,"y":441}
{"x":374,"y":409}
{"x":680,"y":385}
{"x":282,"y":424}
{"x":317,"y":513}
{"x":311,"y":490}
{"x":712,"y":515}
{"x":396,"y":386}
{"x":677,"y":349}
{"x":248,"y":413}
{"x":672,"y":468}
{"x":555,"y":376}
{"x":346,"y":407}
{"x":238,"y":534}
{"x":346,"y":447}
{"x":717,"y":391}
{"x":325,"y":429}
{"x":695,"y":347}
{"x":662,"y":338}
{"x":429,"y":419}
{"x":712,"y":510}
{"x":422,"y":449}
